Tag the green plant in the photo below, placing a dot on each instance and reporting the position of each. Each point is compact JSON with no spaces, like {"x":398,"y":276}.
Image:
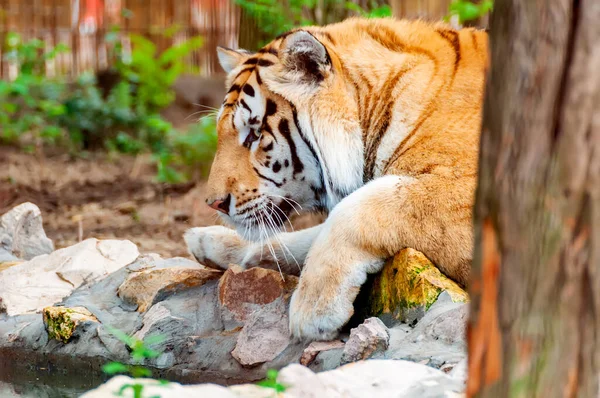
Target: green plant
{"x":275,"y":17}
{"x":466,"y":10}
{"x":30,"y":104}
{"x":152,"y":74}
{"x":271,"y":381}
{"x":192,"y":152}
{"x":140,"y":351}
{"x":375,"y":11}
{"x":37,"y":111}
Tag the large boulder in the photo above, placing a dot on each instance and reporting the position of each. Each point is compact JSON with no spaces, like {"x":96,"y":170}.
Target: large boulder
{"x":148,"y":287}
{"x":404,"y":290}
{"x":32,"y":285}
{"x":241,"y":292}
{"x":22,"y":234}
{"x":373,"y":378}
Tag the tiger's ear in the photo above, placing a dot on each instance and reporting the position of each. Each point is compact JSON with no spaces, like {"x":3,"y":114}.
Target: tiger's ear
{"x":231,"y":59}
{"x":305,"y":58}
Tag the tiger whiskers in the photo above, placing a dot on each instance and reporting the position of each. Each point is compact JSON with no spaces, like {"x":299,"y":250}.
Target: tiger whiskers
{"x":277,"y":232}
{"x":291,"y":202}
{"x":271,"y":249}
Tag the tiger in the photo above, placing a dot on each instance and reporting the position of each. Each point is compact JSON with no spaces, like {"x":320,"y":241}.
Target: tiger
{"x":375,"y":122}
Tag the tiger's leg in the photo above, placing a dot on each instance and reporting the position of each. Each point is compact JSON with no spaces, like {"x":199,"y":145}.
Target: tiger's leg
{"x":219,"y":246}
{"x":367,"y":227}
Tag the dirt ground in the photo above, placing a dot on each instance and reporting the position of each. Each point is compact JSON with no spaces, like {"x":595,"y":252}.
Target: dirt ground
{"x":105,"y":197}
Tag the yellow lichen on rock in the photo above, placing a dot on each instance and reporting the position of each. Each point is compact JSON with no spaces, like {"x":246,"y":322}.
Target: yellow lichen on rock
{"x":8,"y":264}
{"x":409,"y":281}
{"x":61,"y":322}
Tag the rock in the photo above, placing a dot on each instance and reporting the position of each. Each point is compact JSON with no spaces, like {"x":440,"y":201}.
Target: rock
{"x":159,"y":321}
{"x":365,"y":340}
{"x":22,"y":233}
{"x":264,"y":336}
{"x":148,"y":287}
{"x":316,"y":347}
{"x":30,"y":286}
{"x":243,"y":291}
{"x":373,"y":378}
{"x":61,"y":322}
{"x":405,"y":288}
{"x":152,"y":388}
{"x":8,"y":264}
{"x":438,"y":339}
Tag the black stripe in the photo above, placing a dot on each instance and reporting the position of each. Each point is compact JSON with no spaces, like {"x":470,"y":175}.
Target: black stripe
{"x":328,"y":36}
{"x":377,"y":127}
{"x":306,"y":142}
{"x":258,"y":79}
{"x":314,"y":154}
{"x":268,"y":50}
{"x":251,"y":61}
{"x":266,"y":128}
{"x":452,"y":37}
{"x":245,"y":105}
{"x":243,"y":71}
{"x":234,"y":88}
{"x":248,"y":90}
{"x":266,"y":178}
{"x":271,"y":108}
{"x":284,"y":129}
{"x":265,"y":62}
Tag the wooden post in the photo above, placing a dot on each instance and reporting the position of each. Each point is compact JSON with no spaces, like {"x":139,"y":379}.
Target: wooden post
{"x":534,"y":329}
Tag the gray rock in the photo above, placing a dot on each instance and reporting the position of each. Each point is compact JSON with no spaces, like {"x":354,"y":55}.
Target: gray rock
{"x":369,"y":338}
{"x":317,"y":347}
{"x":437,"y":339}
{"x":264,"y":336}
{"x":373,"y":378}
{"x":22,"y":233}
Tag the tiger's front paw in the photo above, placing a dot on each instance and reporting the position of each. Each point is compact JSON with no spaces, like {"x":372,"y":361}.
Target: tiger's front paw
{"x":320,"y":306}
{"x":216,"y":246}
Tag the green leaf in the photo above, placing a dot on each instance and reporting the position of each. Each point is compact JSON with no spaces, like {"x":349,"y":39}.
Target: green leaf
{"x":112,"y":368}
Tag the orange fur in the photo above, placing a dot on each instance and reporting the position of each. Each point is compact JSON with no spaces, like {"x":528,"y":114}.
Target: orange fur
{"x":403,"y":96}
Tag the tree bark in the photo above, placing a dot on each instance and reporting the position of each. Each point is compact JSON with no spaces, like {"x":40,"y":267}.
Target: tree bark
{"x":534,"y":329}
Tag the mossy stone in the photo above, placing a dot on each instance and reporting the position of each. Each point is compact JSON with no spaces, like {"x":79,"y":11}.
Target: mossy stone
{"x":405,"y":288}
{"x":61,"y":322}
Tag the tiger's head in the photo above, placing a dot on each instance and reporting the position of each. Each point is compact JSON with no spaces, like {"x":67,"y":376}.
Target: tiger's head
{"x":270,"y":158}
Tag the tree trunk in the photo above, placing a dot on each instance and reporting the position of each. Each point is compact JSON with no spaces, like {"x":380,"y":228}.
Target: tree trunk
{"x":534,"y":329}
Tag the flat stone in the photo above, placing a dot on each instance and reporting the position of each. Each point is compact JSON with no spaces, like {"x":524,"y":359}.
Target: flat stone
{"x":405,"y":289}
{"x":264,"y":336}
{"x":243,"y":291}
{"x":365,"y":340}
{"x":32,"y":285}
{"x":22,"y":232}
{"x":316,"y":347}
{"x":373,"y":378}
{"x":61,"y":322}
{"x":8,"y":264}
{"x":438,"y":339}
{"x":152,"y":388}
{"x":148,"y":287}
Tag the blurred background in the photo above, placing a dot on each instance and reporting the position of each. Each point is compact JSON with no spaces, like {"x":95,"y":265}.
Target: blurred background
{"x":107,"y":106}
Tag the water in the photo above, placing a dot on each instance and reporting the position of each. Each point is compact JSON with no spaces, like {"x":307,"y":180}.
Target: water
{"x":42,"y":383}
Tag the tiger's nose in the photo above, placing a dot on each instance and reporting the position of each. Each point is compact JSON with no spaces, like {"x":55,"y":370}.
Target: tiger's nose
{"x":221,"y":205}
